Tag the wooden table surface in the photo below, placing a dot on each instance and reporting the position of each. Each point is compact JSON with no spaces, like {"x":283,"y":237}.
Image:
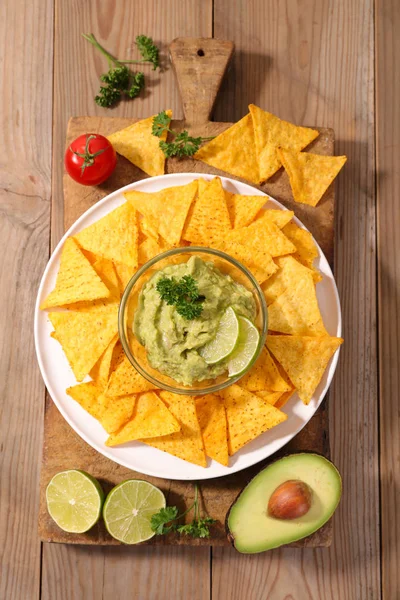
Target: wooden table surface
{"x":324,"y":62}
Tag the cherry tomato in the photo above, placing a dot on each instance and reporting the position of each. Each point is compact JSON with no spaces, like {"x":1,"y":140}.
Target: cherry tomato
{"x":90,"y":159}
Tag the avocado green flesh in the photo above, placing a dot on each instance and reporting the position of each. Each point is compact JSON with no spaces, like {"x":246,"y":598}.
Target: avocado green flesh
{"x":253,"y":530}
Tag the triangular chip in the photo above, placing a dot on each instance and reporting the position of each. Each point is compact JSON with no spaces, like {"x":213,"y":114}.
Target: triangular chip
{"x":304,"y":359}
{"x":77,"y":280}
{"x":279,"y":217}
{"x":310,"y":175}
{"x":150,"y":248}
{"x":116,"y":411}
{"x":140,"y":146}
{"x":212,"y":421}
{"x":87,"y":395}
{"x":124,"y":275}
{"x":259,"y":262}
{"x":289,"y":272}
{"x":272,"y":133}
{"x":264,"y":236}
{"x":296,"y":310}
{"x":209,"y":216}
{"x":150,"y":418}
{"x":248,"y":416}
{"x":306,"y":250}
{"x":106,"y":271}
{"x":115,"y":236}
{"x":100,"y":372}
{"x":126,"y":380}
{"x":233,"y":151}
{"x":186,"y":443}
{"x":166,"y":210}
{"x":271,"y":397}
{"x":243,"y":209}
{"x":284,"y":399}
{"x":84,"y":335}
{"x":264,"y":375}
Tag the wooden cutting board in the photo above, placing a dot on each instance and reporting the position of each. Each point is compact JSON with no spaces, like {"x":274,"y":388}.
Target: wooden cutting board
{"x":199,"y":65}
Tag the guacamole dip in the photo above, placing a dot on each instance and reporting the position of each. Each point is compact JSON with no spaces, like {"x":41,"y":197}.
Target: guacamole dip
{"x":172,"y":341}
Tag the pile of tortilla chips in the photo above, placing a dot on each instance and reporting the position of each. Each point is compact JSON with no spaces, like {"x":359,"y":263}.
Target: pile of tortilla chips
{"x":97,"y":263}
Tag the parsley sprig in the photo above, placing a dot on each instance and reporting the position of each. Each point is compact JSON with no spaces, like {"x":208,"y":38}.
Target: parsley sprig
{"x":166,"y":520}
{"x":183,"y":144}
{"x":183,"y":294}
{"x":119,"y":79}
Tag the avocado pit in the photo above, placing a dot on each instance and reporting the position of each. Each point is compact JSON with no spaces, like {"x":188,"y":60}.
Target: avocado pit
{"x":291,"y":500}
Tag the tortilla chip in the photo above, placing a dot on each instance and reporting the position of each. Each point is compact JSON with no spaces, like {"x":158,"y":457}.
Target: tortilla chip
{"x":149,"y":249}
{"x":87,"y":395}
{"x":84,"y":335}
{"x":124,"y":275}
{"x":166,"y":210}
{"x":115,"y":236}
{"x":233,"y":151}
{"x":248,"y":416}
{"x":306,"y":250}
{"x":296,"y":311}
{"x":100,"y":372}
{"x":243,"y":209}
{"x":310,"y":175}
{"x":212,"y":421}
{"x":125,"y":380}
{"x":272,"y":397}
{"x":264,"y":375}
{"x":106,"y":271}
{"x":150,"y":418}
{"x":284,"y":399}
{"x":140,"y":146}
{"x":271,"y":133}
{"x":260,"y":263}
{"x":186,"y":443}
{"x":279,"y":217}
{"x":209,"y":217}
{"x":289,"y":273}
{"x":264,"y":236}
{"x":76,"y":280}
{"x":304,"y":359}
{"x":116,"y":411}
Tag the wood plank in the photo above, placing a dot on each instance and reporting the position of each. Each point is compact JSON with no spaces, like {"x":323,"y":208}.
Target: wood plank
{"x":388,"y":187}
{"x":77,"y":67}
{"x":26,"y":48}
{"x":312,"y":62}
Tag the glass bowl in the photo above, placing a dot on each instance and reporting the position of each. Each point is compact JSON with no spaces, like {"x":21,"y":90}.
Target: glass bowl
{"x":136,"y":353}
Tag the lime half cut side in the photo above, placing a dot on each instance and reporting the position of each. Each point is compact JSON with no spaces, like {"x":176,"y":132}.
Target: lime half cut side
{"x":74,"y":500}
{"x":128,"y":510}
{"x":246,"y":349}
{"x":225,"y":340}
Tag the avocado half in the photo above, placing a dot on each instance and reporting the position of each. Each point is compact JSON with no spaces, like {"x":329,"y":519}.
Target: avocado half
{"x":250,"y":526}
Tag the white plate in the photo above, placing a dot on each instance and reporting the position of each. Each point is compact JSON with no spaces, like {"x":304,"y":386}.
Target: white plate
{"x":58,"y":376}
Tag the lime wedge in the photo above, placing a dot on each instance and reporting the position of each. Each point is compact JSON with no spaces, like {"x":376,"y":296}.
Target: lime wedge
{"x":225,"y":340}
{"x":74,"y":500}
{"x":128,"y":510}
{"x":246,"y":348}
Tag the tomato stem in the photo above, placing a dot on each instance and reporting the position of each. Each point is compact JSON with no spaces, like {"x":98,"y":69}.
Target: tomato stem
{"x":88,"y":157}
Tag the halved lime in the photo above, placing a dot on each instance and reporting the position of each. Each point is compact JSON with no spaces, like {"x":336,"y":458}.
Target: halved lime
{"x":225,"y":340}
{"x":128,"y":510}
{"x":74,"y":500}
{"x":247,"y":346}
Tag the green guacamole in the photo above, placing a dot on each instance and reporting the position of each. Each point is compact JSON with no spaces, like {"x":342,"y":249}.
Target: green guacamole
{"x":171,"y":340}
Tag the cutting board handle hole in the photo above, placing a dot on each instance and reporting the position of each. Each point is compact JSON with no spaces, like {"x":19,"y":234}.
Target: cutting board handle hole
{"x":200,"y":52}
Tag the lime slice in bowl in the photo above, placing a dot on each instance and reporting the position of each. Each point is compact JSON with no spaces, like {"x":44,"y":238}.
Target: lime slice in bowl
{"x":74,"y":500}
{"x":246,"y":349}
{"x":128,"y":510}
{"x":225,"y":340}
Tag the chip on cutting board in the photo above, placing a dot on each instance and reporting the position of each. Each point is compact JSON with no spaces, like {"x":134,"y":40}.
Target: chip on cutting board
{"x":186,"y":443}
{"x":264,"y":375}
{"x":77,"y":280}
{"x":243,"y":209}
{"x":150,"y":418}
{"x":310,"y":175}
{"x":304,"y":359}
{"x":212,"y":420}
{"x":209,"y":217}
{"x":140,"y":146}
{"x":248,"y":416}
{"x":166,"y":210}
{"x":84,"y":335}
{"x":100,"y":372}
{"x":271,"y":133}
{"x":233,"y":151}
{"x":114,"y":237}
{"x":296,"y":310}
